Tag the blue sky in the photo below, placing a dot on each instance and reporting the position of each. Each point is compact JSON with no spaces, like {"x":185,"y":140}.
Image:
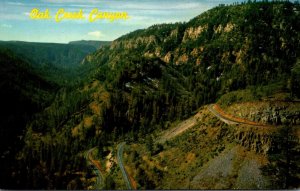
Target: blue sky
{"x":15,"y":23}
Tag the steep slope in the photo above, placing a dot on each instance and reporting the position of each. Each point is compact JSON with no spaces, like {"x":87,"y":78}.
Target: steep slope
{"x":22,"y":93}
{"x":148,"y":80}
{"x":211,"y":154}
{"x":59,"y":63}
{"x":60,"y":55}
{"x":254,"y":45}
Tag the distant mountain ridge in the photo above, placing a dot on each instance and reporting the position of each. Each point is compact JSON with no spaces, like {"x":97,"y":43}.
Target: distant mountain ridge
{"x":96,"y":44}
{"x":60,"y":55}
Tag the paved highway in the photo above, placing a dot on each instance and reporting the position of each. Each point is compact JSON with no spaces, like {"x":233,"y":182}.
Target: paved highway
{"x":120,"y":162}
{"x":221,"y":117}
{"x":230,"y":120}
{"x":96,"y":169}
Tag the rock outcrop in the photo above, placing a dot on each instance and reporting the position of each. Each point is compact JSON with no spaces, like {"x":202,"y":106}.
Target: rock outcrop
{"x":274,"y":113}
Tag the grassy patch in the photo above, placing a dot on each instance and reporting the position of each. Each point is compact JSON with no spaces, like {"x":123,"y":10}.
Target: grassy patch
{"x":254,"y":93}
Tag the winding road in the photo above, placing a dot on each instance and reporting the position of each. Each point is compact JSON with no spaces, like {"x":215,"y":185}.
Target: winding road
{"x":96,"y":169}
{"x":120,"y":162}
{"x":218,"y":112}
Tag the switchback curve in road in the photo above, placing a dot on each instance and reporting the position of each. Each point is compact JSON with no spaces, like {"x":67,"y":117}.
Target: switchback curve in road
{"x":218,"y":112}
{"x":97,"y":169}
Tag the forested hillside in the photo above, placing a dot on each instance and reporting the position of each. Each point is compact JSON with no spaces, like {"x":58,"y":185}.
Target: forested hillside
{"x":151,"y":80}
{"x":31,"y":76}
{"x":23,"y":93}
{"x":252,"y":45}
{"x":59,"y":55}
{"x":95,"y":44}
{"x":59,"y":63}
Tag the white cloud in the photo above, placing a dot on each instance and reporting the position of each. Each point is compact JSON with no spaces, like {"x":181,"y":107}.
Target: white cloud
{"x":96,"y":34}
{"x":6,"y":26}
{"x":15,"y":3}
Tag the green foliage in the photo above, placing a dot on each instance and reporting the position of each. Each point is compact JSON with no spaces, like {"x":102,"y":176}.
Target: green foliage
{"x":295,"y":80}
{"x":153,"y":77}
{"x":22,"y":93}
{"x":95,"y":44}
{"x":150,"y":144}
{"x":109,"y":183}
{"x":58,"y":63}
{"x":59,"y":55}
{"x":64,"y":106}
{"x":251,"y":93}
{"x":284,"y":157}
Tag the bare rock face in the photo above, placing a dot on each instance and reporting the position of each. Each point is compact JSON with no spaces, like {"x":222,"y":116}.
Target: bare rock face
{"x":167,"y":57}
{"x":273,"y":113}
{"x":254,"y":139}
{"x":193,"y":32}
